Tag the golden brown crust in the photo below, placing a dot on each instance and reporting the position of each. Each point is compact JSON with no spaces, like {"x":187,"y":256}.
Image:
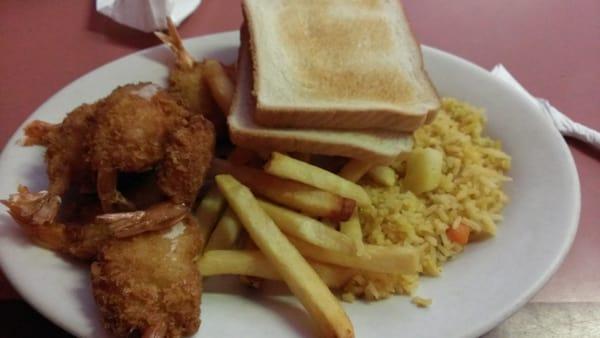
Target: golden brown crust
{"x":379,"y":147}
{"x":148,"y":281}
{"x":332,"y":72}
{"x":66,"y":149}
{"x":189,"y":152}
{"x":188,"y":86}
{"x":327,"y":118}
{"x":432,"y":112}
{"x":259,"y":141}
{"x":131,"y":130}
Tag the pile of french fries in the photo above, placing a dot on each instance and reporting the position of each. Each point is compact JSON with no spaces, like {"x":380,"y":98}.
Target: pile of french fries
{"x":303,"y":228}
{"x":296,"y":222}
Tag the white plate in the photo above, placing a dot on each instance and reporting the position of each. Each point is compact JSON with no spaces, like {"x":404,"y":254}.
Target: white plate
{"x":476,"y":291}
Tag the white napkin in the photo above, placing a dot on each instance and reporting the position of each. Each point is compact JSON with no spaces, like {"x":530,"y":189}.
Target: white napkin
{"x":565,"y":125}
{"x":147,"y":15}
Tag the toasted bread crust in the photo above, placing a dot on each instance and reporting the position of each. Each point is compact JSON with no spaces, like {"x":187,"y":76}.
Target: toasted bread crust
{"x":258,"y":141}
{"x":374,"y":146}
{"x":323,"y":118}
{"x":312,"y":79}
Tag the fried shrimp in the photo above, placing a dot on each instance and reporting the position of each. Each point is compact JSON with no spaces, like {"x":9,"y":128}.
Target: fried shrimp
{"x":139,"y":147}
{"x":37,"y":133}
{"x":130,"y":134}
{"x":187,"y":161}
{"x":133,"y":130}
{"x":186,"y":81}
{"x":143,"y":277}
{"x":83,"y":240}
{"x":148,"y":284}
{"x":140,"y":127}
{"x":66,"y":165}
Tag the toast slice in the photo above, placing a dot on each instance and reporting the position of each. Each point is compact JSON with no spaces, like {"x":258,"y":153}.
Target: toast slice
{"x":375,"y":146}
{"x":337,"y":64}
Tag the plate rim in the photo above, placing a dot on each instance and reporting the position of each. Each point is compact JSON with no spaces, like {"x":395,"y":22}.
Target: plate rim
{"x":531,"y":291}
{"x":476,"y":330}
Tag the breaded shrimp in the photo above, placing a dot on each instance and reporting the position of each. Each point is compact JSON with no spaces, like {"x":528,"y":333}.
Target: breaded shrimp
{"x":84,"y":239}
{"x":149,"y":285}
{"x":145,"y":279}
{"x":189,"y":154}
{"x":38,"y":133}
{"x":129,"y":135}
{"x":137,"y":128}
{"x":186,"y":81}
{"x":65,"y":159}
{"x":132,"y":130}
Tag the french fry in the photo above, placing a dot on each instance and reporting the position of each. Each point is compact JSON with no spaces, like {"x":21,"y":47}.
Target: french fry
{"x":254,"y":263}
{"x":220,"y":85}
{"x":382,"y":175}
{"x":297,"y":196}
{"x":225,"y":233}
{"x":309,"y":229}
{"x":209,"y":210}
{"x":352,"y":229}
{"x":296,"y":170}
{"x":247,"y":244}
{"x":300,"y":277}
{"x":333,"y":276}
{"x":388,"y":259}
{"x":236,"y":262}
{"x":354,"y":170}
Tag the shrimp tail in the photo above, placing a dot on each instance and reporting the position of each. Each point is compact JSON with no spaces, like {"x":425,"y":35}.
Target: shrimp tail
{"x":34,"y":212}
{"x":33,"y":208}
{"x":173,"y":41}
{"x":158,"y":217}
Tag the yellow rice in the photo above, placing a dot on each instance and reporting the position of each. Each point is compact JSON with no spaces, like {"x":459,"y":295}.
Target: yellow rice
{"x":470,"y":193}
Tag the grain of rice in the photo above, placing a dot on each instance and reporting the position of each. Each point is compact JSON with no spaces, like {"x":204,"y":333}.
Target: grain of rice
{"x":470,"y":192}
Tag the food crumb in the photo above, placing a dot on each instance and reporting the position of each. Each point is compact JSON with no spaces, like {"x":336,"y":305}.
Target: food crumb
{"x":420,"y":301}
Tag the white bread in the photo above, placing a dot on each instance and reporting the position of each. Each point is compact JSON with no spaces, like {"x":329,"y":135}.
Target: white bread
{"x":337,"y":64}
{"x":374,"y":146}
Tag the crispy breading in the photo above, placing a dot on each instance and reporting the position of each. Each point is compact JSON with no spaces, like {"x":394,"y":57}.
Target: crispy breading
{"x":131,"y":130}
{"x":149,"y":283}
{"x":65,"y":159}
{"x":188,"y":85}
{"x":137,"y":127}
{"x":189,"y":153}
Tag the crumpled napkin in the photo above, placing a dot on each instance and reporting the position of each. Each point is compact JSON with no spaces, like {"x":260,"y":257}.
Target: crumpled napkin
{"x":147,"y":15}
{"x":564,"y":124}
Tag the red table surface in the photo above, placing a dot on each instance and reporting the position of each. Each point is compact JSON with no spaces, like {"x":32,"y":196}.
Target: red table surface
{"x":551,"y":46}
